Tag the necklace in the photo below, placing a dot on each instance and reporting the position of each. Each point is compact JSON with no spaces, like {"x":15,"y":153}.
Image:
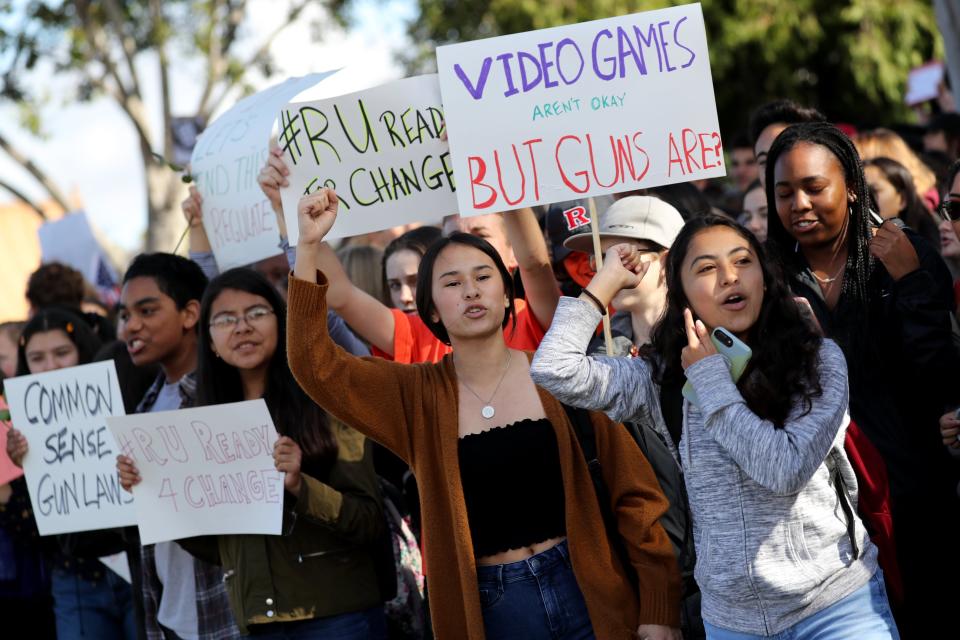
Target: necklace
{"x":828,"y":280}
{"x":488,"y":411}
{"x":825,"y":280}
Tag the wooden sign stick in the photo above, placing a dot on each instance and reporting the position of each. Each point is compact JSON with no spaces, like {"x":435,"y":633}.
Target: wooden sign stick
{"x":598,"y":259}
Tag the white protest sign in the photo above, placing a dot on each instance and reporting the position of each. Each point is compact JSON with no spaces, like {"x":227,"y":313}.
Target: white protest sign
{"x":380,"y":149}
{"x":204,"y":471}
{"x":226,"y":160}
{"x":71,"y":467}
{"x":71,"y":241}
{"x":587,"y":109}
{"x":923,"y":83}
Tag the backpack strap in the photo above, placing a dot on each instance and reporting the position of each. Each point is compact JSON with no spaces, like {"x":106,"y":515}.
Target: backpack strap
{"x":841,"y":488}
{"x":583,"y":428}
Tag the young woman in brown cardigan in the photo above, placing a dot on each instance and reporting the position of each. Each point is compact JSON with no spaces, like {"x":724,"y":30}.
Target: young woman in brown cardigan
{"x":514,"y":540}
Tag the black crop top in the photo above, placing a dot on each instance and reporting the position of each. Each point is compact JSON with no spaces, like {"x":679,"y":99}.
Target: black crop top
{"x":512,"y":486}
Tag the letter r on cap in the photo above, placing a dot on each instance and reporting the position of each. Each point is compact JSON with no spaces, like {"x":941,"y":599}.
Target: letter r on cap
{"x":576,"y":218}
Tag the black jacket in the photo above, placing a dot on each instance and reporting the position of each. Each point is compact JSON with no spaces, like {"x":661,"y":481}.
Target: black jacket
{"x":903,"y":365}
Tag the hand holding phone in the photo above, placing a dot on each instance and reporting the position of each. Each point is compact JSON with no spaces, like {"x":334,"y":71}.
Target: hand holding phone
{"x":698,"y":345}
{"x":735,"y":352}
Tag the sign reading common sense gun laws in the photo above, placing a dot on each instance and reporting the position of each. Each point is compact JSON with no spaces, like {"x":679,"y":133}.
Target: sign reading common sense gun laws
{"x":587,"y":109}
{"x":71,"y":468}
{"x":380,"y":149}
{"x":225,"y":163}
{"x":204,"y":471}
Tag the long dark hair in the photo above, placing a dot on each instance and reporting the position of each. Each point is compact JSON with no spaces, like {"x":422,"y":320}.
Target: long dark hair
{"x":293,"y":412}
{"x":859,"y":265}
{"x":914,"y":214}
{"x":425,"y":280}
{"x":785,"y":347}
{"x":53,"y":319}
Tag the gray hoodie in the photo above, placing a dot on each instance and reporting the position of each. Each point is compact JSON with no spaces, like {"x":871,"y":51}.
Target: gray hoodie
{"x":770,"y":533}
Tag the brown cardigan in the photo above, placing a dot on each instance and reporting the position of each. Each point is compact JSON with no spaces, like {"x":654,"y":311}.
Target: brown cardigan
{"x":412,"y":410}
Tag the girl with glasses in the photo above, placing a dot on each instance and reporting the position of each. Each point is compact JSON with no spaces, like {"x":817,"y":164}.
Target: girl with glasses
{"x":320,"y":579}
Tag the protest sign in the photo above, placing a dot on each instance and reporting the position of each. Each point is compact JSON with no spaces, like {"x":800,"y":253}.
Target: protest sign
{"x":71,"y":241}
{"x":380,"y":149}
{"x":923,"y":83}
{"x":228,"y":156}
{"x":204,"y":471}
{"x":71,"y":463}
{"x":593,"y":108}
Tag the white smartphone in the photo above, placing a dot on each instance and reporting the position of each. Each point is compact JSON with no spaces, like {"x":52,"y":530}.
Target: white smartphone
{"x":735,"y":352}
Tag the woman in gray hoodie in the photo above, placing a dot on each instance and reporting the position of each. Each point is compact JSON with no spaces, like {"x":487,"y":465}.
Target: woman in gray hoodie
{"x":772,"y":495}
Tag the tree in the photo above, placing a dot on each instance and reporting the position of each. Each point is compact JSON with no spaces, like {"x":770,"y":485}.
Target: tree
{"x":104,"y":46}
{"x":849,"y":58}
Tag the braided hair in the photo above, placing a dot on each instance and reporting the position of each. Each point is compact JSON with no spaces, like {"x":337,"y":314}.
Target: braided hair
{"x":859,"y":265}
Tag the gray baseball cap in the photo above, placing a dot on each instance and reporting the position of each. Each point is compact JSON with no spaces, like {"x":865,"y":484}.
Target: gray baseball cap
{"x":633,"y":218}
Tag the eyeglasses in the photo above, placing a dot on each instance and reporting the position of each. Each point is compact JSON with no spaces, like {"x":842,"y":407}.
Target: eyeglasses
{"x":253,"y":315}
{"x":949,"y":210}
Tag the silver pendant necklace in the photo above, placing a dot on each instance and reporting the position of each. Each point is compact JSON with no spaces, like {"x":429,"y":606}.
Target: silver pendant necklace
{"x":488,"y":411}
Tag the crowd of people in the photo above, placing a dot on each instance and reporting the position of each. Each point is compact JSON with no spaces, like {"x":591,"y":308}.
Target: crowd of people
{"x":766,"y":445}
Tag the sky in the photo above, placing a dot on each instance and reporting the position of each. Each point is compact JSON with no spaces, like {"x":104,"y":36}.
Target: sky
{"x":91,"y":149}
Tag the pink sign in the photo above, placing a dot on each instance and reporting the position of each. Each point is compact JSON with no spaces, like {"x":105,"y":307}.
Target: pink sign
{"x":8,"y":470}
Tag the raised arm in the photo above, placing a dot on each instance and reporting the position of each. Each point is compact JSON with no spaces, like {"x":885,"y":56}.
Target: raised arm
{"x":533,"y":259}
{"x":782,"y":460}
{"x":366,"y":315}
{"x":340,"y":383}
{"x":620,"y":387}
{"x":200,"y":250}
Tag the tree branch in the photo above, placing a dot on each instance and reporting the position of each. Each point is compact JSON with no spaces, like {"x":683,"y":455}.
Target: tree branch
{"x":156,"y":14}
{"x":99,"y":49}
{"x":215,"y":62}
{"x":45,"y":181}
{"x":131,"y":106}
{"x":126,"y":42}
{"x":264,"y":48}
{"x":19,"y":195}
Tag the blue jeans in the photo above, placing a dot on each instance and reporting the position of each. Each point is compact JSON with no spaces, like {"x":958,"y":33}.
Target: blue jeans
{"x":358,"y":625}
{"x":534,"y":599}
{"x":864,"y":615}
{"x":100,"y":610}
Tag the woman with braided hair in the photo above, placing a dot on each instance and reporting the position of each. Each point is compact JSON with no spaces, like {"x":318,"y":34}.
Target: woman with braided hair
{"x":885,"y":297}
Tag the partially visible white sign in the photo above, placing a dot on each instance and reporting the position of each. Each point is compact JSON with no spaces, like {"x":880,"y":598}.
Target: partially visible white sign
{"x":923,"y":83}
{"x":119,"y":565}
{"x":229,"y":154}
{"x":379,"y":149}
{"x":71,"y":241}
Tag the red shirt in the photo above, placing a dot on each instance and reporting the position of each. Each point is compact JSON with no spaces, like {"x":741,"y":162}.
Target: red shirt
{"x":413,"y":342}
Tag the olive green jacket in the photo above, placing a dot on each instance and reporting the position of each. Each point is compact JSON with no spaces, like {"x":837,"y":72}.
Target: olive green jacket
{"x":324,"y":564}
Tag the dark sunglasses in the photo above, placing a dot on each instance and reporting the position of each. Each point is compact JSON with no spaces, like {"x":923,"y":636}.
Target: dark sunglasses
{"x":950,"y":210}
